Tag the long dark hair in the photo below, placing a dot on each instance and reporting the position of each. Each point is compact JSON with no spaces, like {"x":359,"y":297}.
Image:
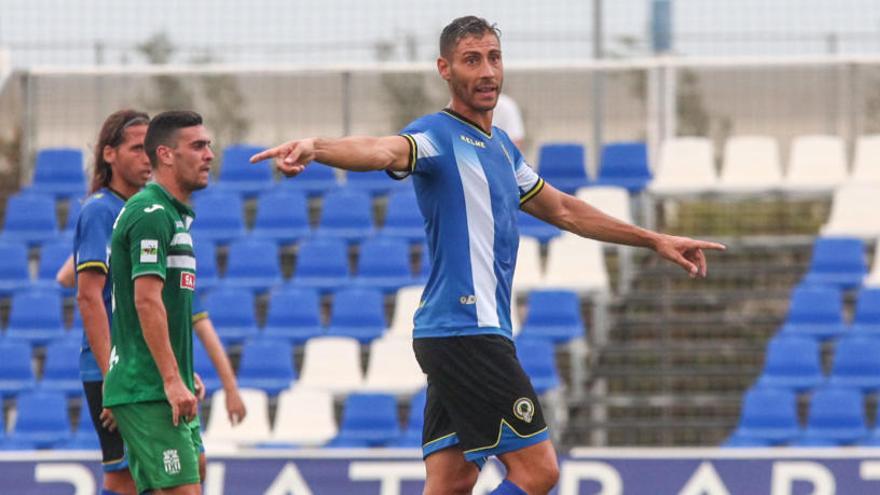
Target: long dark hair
{"x":112,"y":134}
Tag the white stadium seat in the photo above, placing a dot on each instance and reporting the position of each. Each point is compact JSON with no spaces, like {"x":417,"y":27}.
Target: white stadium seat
{"x":304,"y":417}
{"x":252,"y":430}
{"x":528,"y":273}
{"x":855,"y":211}
{"x":610,"y":200}
{"x":866,"y":164}
{"x":751,"y":164}
{"x":393,"y":368}
{"x":577,"y":264}
{"x":817,"y":164}
{"x":686,"y":167}
{"x":332,"y":364}
{"x":406,"y":302}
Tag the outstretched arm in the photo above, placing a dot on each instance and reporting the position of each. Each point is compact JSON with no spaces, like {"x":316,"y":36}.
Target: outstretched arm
{"x":355,"y":153}
{"x":576,"y":216}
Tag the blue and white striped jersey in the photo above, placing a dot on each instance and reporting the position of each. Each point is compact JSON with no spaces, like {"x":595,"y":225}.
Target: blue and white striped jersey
{"x":470,"y":186}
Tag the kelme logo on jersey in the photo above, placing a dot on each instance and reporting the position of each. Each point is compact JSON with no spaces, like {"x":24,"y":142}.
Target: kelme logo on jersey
{"x":470,"y":299}
{"x":188,"y":280}
{"x":149,"y":251}
{"x":524,"y":409}
{"x":472,"y":141}
{"x":171,"y":461}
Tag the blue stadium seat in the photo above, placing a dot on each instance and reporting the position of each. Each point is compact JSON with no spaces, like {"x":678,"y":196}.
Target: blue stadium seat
{"x":857,"y":363}
{"x":838,"y":262}
{"x":346,"y":214}
{"x":253,"y":264}
{"x":836,"y":416}
{"x":294,"y":314}
{"x":412,"y":434}
{"x":563,"y":165}
{"x":375,"y":182}
{"x":205,"y":368}
{"x":384,"y":264}
{"x":30,"y":219}
{"x":316,"y":180}
{"x":368,"y":420}
{"x":768,"y":417}
{"x":240,"y":176}
{"x":14,"y":267}
{"x":41,"y":419}
{"x":59,"y":172}
{"x":539,"y":229}
{"x":554,"y":315}
{"x":52,"y":257}
{"x":792,"y":363}
{"x":61,"y":369}
{"x":16,"y":371}
{"x":35,"y":317}
{"x":321,"y":264}
{"x":403,"y":219}
{"x":282,"y":216}
{"x":816,"y":312}
{"x":219,"y":217}
{"x":74,"y":206}
{"x":266,"y":364}
{"x":625,"y":165}
{"x":85,"y":437}
{"x":358,"y":313}
{"x":867,"y":315}
{"x":206,"y":265}
{"x":232,"y":313}
{"x":538,"y":359}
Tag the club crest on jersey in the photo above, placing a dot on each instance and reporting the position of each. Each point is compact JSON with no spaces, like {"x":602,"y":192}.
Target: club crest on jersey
{"x":472,"y":141}
{"x":149,"y":251}
{"x":524,"y":409}
{"x":188,"y":280}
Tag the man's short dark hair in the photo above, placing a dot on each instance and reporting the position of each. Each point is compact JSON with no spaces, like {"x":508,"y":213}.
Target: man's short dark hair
{"x":163,"y":128}
{"x":462,"y":27}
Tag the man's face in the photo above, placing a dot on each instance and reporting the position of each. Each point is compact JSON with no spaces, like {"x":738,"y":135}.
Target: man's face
{"x":474,"y":71}
{"x":128,"y":160}
{"x":192,"y":158}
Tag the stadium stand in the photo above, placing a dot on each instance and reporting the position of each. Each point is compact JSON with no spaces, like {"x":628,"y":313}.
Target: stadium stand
{"x":254,"y":429}
{"x":30,"y":218}
{"x":304,"y":417}
{"x":316,"y":180}
{"x":685,"y":167}
{"x":52,"y":256}
{"x":564,"y":165}
{"x":267,"y":365}
{"x":321,"y":264}
{"x":866,"y":163}
{"x":412,"y":433}
{"x":769,"y":417}
{"x":816,"y":312}
{"x":751,"y":164}
{"x":852,"y":211}
{"x":220,"y":217}
{"x":576,"y":264}
{"x":59,"y":172}
{"x":239,"y":176}
{"x":836,"y":417}
{"x":206,"y":262}
{"x":84,"y":437}
{"x":539,"y":362}
{"x":368,"y":420}
{"x":873,"y":278}
{"x":554,"y":316}
{"x":406,"y":302}
{"x":837,"y":262}
{"x":384,"y":264}
{"x":294,"y":314}
{"x":205,"y":368}
{"x":532,"y":227}
{"x":35,"y":317}
{"x":332,"y":364}
{"x":41,"y":419}
{"x":610,"y":200}
{"x":402,"y":218}
{"x":61,"y":368}
{"x":357,"y":313}
{"x":13,"y":268}
{"x":792,"y":363}
{"x":856,"y":363}
{"x":817,"y":164}
{"x":232,"y":313}
{"x":528,"y":274}
{"x":282,"y":217}
{"x":253,"y":264}
{"x":625,"y":165}
{"x":866,"y":319}
{"x":16,"y":370}
{"x":374,"y":183}
{"x":346,"y":214}
{"x":392,"y":368}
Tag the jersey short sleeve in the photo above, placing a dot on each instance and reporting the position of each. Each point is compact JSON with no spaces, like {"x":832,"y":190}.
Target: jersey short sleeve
{"x":94,"y":229}
{"x":198,"y":309}
{"x":149,"y":237}
{"x":423,"y":147}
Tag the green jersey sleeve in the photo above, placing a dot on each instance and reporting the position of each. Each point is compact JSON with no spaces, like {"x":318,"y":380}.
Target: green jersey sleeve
{"x":149,"y":237}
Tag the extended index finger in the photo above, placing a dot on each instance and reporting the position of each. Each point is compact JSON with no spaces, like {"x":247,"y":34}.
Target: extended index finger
{"x":709,"y":245}
{"x":275,"y":152}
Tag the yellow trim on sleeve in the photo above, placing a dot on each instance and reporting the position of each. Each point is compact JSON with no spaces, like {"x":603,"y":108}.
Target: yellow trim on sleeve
{"x":413,"y":152}
{"x":534,"y":192}
{"x":201,"y":315}
{"x":92,"y":264}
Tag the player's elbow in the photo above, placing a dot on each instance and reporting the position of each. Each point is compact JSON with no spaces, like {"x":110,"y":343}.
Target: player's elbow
{"x":87,"y":299}
{"x":146,"y":303}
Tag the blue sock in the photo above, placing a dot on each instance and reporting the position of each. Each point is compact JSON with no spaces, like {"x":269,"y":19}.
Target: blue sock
{"x":109,"y":492}
{"x":507,"y":488}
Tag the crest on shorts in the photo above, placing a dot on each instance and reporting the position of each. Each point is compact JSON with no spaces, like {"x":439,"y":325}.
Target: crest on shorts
{"x":524,"y":409}
{"x":171,"y":461}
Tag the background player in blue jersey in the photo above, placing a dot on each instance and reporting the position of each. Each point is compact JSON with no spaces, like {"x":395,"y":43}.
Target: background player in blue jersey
{"x":121,"y":169}
{"x":470,"y":181}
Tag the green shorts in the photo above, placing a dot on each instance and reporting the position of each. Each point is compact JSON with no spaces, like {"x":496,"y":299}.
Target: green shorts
{"x":160,"y":455}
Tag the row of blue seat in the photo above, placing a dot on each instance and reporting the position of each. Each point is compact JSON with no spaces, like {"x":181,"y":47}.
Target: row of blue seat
{"x":816,"y":311}
{"x":59,"y":171}
{"x":839,"y":262}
